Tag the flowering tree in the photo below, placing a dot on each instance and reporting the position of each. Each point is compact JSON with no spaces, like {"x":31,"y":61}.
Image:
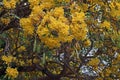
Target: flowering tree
{"x":60,"y":39}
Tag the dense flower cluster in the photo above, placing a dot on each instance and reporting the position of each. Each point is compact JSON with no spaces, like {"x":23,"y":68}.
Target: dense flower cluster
{"x":10,"y":4}
{"x":115,"y":9}
{"x":53,"y":28}
{"x":8,"y":59}
{"x":60,"y":39}
{"x":11,"y":72}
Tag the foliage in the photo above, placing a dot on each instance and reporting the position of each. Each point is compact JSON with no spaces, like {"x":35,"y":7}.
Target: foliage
{"x":60,"y":39}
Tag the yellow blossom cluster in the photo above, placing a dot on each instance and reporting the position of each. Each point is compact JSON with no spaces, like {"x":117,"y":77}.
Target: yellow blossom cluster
{"x":21,"y":48}
{"x":33,"y":2}
{"x":27,"y":25}
{"x":107,"y":72}
{"x":44,"y":3}
{"x":63,"y":0}
{"x":118,"y":57}
{"x":87,"y":42}
{"x":75,"y":8}
{"x":115,"y":9}
{"x":86,"y":25}
{"x":36,"y":15}
{"x":52,"y":31}
{"x":105,"y":24}
{"x":78,"y":26}
{"x":10,"y":4}
{"x":53,"y":28}
{"x":94,"y":62}
{"x":5,"y":20}
{"x":11,"y":72}
{"x":8,"y":59}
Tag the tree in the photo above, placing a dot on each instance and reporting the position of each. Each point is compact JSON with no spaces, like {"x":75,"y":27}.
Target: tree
{"x":60,"y":39}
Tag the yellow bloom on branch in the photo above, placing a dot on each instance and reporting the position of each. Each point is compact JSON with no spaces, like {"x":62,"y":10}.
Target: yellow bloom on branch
{"x":11,"y":72}
{"x":27,"y":25}
{"x":78,"y":17}
{"x":8,"y":59}
{"x":33,"y":2}
{"x":94,"y":62}
{"x":51,"y":42}
{"x":10,"y":4}
{"x":87,"y":42}
{"x":105,"y":24}
{"x":108,"y":72}
{"x":58,"y":11}
{"x":21,"y":48}
{"x":6,"y":21}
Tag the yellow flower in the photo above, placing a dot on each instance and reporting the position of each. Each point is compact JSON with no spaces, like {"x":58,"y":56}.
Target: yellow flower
{"x":108,"y":78}
{"x":8,"y":59}
{"x":10,"y":4}
{"x":78,"y":17}
{"x":21,"y":62}
{"x":25,"y":21}
{"x":58,"y":11}
{"x":105,"y":24}
{"x":11,"y":72}
{"x":99,"y":78}
{"x":21,"y":48}
{"x":118,"y":57}
{"x":42,"y":32}
{"x":33,"y":2}
{"x":47,"y":3}
{"x":108,"y":72}
{"x":37,"y":14}
{"x":27,"y":25}
{"x":36,"y":60}
{"x":63,"y":0}
{"x":1,"y":49}
{"x":5,"y":20}
{"x":87,"y":42}
{"x":55,"y":28}
{"x":79,"y":32}
{"x":74,"y":7}
{"x":52,"y":42}
{"x":94,"y":62}
{"x":29,"y":62}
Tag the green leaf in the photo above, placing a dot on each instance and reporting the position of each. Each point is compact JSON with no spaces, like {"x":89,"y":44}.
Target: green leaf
{"x":38,"y":48}
{"x":2,"y":44}
{"x":34,"y":46}
{"x":113,"y":40}
{"x":118,"y":45}
{"x":49,"y":54}
{"x":43,"y":60}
